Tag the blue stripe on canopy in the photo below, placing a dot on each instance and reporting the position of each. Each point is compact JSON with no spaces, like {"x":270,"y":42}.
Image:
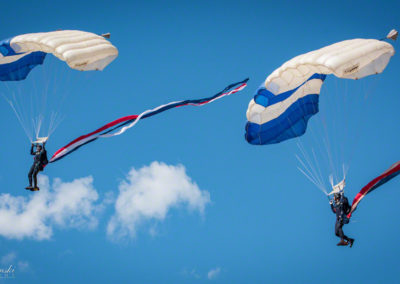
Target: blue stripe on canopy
{"x":5,"y":48}
{"x":18,"y":70}
{"x":266,"y":98}
{"x":290,"y":124}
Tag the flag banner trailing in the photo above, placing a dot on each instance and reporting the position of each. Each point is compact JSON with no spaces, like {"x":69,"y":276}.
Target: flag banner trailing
{"x":122,"y":124}
{"x":393,"y":171}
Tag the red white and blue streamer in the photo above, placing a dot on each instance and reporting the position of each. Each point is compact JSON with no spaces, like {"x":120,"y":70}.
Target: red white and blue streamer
{"x":122,"y":124}
{"x":393,"y":171}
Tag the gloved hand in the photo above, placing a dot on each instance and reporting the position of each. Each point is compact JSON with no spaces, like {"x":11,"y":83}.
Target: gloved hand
{"x":330,"y":201}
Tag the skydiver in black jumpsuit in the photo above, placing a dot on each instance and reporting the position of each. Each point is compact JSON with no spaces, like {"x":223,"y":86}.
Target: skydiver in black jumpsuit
{"x":39,"y":162}
{"x":340,"y":206}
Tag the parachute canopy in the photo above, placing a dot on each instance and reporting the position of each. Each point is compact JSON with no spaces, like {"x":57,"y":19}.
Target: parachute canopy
{"x":81,"y":50}
{"x":288,"y":98}
{"x":390,"y":173}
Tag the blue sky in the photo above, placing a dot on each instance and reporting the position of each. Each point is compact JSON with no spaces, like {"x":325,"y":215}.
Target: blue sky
{"x":238,"y":213}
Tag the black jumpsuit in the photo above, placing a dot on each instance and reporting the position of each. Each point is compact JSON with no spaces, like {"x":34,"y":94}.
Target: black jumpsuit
{"x":341,"y":209}
{"x":39,"y":161}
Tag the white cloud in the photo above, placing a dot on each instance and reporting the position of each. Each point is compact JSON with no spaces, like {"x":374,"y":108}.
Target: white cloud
{"x":213,"y":273}
{"x":191,"y":273}
{"x":66,"y":205}
{"x":23,"y":266}
{"x":8,"y":258}
{"x":149,"y":193}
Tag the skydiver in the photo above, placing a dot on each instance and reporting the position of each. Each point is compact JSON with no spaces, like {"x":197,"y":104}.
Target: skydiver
{"x":39,"y":162}
{"x":340,"y":206}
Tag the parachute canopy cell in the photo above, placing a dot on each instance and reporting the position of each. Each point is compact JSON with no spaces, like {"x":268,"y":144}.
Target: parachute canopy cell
{"x":81,"y":50}
{"x":289,"y":97}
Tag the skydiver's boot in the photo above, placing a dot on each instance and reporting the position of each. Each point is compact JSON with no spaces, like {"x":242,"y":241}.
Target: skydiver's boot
{"x":351,"y":242}
{"x":342,"y":243}
{"x":30,"y":187}
{"x":35,"y":188}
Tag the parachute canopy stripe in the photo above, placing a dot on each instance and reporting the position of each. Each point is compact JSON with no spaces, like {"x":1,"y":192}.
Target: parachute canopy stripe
{"x":266,"y":98}
{"x":393,"y":171}
{"x":19,"y":66}
{"x":288,"y":113}
{"x":81,"y":50}
{"x":282,"y":98}
{"x":282,"y":127}
{"x":127,"y":122}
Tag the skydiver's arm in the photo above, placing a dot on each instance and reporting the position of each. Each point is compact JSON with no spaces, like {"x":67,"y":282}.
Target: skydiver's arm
{"x":333,"y":208}
{"x":32,"y":150}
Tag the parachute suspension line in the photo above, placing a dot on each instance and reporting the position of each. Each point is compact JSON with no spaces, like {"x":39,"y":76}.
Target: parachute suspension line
{"x":310,"y":166}
{"x":314,"y":138}
{"x":318,"y":166}
{"x":311,"y":179}
{"x":332,"y":135}
{"x":326,"y":147}
{"x":345,"y":170}
{"x":37,"y":124}
{"x":51,"y":77}
{"x":368,"y":89}
{"x":37,"y":104}
{"x":49,"y":94}
{"x":308,"y":169}
{"x":338,"y":153}
{"x":345,"y":126}
{"x":55,"y":121}
{"x":41,"y":103}
{"x":342,"y":126}
{"x":328,"y":150}
{"x":51,"y":123}
{"x":336,"y":132}
{"x":18,"y":107}
{"x":20,"y":120}
{"x":328,"y":133}
{"x":44,"y":96}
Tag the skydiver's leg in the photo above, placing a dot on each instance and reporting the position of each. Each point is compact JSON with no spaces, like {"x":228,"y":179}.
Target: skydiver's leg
{"x":35,"y":173}
{"x":344,"y":236}
{"x":30,"y":175}
{"x":340,"y":234}
{"x":349,"y":240}
{"x":339,"y":231}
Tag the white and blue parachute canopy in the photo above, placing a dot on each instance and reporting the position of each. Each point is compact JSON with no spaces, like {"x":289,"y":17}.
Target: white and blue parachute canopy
{"x":287,"y":99}
{"x":81,"y":50}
